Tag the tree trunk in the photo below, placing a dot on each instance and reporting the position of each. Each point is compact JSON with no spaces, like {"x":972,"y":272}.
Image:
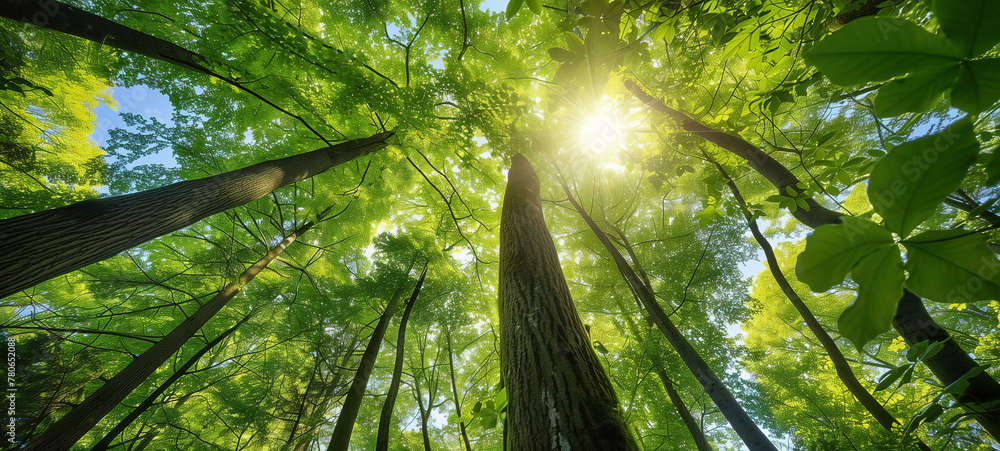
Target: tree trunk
{"x":349,"y":412}
{"x":911,"y":320}
{"x":559,"y":396}
{"x":385,"y":419}
{"x":454,"y":393}
{"x":68,"y":19}
{"x":745,"y":427}
{"x":105,"y":442}
{"x":69,"y":429}
{"x":668,"y":385}
{"x":423,"y":413}
{"x":675,"y":398}
{"x":39,"y":246}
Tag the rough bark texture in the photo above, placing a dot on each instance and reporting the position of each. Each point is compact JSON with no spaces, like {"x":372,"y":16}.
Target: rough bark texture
{"x":911,"y":320}
{"x":385,"y":419}
{"x":39,"y":246}
{"x":559,"y":396}
{"x":742,"y":424}
{"x":69,"y":429}
{"x":352,"y":403}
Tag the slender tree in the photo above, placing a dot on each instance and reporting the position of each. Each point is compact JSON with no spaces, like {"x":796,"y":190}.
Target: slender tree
{"x":558,"y":394}
{"x":385,"y":418}
{"x":751,"y":434}
{"x":43,"y":245}
{"x":105,"y":442}
{"x":352,"y":403}
{"x":668,"y":385}
{"x":70,"y":428}
{"x":454,"y":391}
{"x":911,"y":321}
{"x":840,"y":364}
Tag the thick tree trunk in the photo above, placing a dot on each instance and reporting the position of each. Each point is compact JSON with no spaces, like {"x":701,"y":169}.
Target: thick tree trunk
{"x":352,"y":403}
{"x":69,"y":429}
{"x":454,"y":393}
{"x":385,"y":419}
{"x":559,"y":396}
{"x":745,"y":427}
{"x":105,"y":443}
{"x":911,"y":321}
{"x":43,"y":245}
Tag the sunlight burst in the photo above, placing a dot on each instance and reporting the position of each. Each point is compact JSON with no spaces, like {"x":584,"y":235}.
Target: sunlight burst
{"x":601,"y":132}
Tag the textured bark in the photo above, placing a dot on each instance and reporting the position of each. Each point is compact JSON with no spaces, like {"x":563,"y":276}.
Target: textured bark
{"x":745,"y":427}
{"x":105,"y":443}
{"x":559,"y":396}
{"x":39,"y":246}
{"x":454,"y":393}
{"x":69,"y":429}
{"x":352,"y":403}
{"x":385,"y":419}
{"x":911,"y":320}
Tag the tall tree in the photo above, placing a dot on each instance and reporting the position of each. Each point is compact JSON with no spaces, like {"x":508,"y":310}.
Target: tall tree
{"x":43,"y":245}
{"x":751,"y":434}
{"x":70,"y":428}
{"x":558,"y":393}
{"x":385,"y":419}
{"x":344,"y":428}
{"x":105,"y":442}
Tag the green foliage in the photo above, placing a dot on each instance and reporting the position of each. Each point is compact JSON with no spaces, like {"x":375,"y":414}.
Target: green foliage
{"x":909,"y":183}
{"x":953,"y":266}
{"x":465,"y":88}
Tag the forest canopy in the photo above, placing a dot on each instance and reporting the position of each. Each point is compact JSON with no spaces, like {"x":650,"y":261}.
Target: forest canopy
{"x":310,"y":224}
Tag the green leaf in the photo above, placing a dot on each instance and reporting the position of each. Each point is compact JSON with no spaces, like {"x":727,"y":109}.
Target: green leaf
{"x":513,"y":7}
{"x":917,"y":350}
{"x":972,"y":24}
{"x":917,"y":93}
{"x":880,"y":284}
{"x":488,"y":418}
{"x":959,"y":387}
{"x":875,"y":49}
{"x":890,"y":376}
{"x":563,"y":55}
{"x":932,"y":350}
{"x":833,"y":250}
{"x":928,"y":414}
{"x":574,"y":43}
{"x":978,"y":86}
{"x":907,"y":185}
{"x":993,"y":168}
{"x":501,"y":399}
{"x":599,"y":347}
{"x":535,"y":6}
{"x":952,"y":266}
